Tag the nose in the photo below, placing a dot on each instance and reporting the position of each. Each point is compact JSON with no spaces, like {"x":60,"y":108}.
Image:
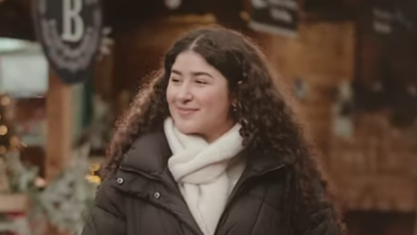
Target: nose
{"x":184,"y":93}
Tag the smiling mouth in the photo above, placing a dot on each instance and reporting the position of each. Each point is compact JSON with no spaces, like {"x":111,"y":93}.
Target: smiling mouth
{"x":186,"y":111}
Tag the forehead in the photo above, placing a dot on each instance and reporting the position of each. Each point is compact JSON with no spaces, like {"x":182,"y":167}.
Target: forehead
{"x":191,"y":61}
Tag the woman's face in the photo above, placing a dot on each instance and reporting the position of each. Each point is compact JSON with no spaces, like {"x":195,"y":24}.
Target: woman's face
{"x":198,"y":97}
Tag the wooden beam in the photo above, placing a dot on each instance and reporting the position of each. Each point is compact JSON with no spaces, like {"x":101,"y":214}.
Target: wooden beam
{"x":59,"y":128}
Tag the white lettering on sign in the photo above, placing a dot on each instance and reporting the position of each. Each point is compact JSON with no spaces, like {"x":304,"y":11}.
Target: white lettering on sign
{"x":288,"y":4}
{"x":283,"y":15}
{"x":259,"y":3}
{"x":73,"y":25}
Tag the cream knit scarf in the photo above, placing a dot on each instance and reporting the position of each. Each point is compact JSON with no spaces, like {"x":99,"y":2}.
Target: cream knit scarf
{"x":200,"y":171}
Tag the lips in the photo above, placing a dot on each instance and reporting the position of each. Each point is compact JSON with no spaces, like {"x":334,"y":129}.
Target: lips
{"x":186,"y":111}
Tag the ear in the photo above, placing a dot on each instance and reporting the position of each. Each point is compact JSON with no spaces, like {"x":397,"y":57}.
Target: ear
{"x":233,"y":99}
{"x":233,"y":95}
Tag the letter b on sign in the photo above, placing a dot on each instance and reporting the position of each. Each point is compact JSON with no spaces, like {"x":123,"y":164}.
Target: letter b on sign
{"x":73,"y":25}
{"x":70,"y":32}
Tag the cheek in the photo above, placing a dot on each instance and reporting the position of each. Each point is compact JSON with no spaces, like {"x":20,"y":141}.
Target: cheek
{"x":170,"y":99}
{"x":169,"y":95}
{"x":215,"y":100}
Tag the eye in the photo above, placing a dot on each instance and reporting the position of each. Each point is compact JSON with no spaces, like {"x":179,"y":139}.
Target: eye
{"x":175,"y":80}
{"x":201,"y":82}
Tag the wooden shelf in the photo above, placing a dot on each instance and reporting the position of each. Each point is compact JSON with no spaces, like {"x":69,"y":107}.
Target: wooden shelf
{"x":13,"y":203}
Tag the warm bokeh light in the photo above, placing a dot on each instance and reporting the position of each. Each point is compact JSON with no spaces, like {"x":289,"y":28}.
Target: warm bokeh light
{"x":3,"y":130}
{"x":5,"y":101}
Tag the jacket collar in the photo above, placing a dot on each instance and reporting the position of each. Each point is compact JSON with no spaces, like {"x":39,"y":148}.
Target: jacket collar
{"x":150,"y":153}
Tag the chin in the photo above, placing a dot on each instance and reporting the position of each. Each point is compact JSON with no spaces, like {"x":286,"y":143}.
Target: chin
{"x":187,"y":128}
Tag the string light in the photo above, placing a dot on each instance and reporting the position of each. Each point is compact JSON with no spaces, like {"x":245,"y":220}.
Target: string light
{"x":5,"y":101}
{"x":244,"y":16}
{"x":40,"y":182}
{"x":3,"y":130}
{"x":92,"y":177}
{"x":94,"y":167}
{"x":14,"y":141}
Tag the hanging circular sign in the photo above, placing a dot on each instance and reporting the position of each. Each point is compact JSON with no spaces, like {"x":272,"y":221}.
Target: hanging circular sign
{"x":70,"y":32}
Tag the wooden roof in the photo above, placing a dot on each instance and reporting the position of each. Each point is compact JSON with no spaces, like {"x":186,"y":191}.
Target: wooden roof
{"x":16,"y":15}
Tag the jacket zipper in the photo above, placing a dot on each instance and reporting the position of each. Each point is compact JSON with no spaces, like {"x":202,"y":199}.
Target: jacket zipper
{"x":162,"y":182}
{"x":236,"y":191}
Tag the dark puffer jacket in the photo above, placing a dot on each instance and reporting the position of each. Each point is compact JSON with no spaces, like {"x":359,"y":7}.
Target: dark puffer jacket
{"x":142,"y":198}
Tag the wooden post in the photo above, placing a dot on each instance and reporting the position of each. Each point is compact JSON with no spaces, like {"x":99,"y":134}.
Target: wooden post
{"x":59,"y":119}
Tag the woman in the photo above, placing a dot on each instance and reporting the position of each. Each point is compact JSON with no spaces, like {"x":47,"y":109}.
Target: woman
{"x":210,"y":147}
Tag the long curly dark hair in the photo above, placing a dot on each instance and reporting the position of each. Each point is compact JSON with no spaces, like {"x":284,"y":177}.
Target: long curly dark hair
{"x":268,"y":121}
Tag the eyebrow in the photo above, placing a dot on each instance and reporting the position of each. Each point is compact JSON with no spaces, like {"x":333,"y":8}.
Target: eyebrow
{"x":195,"y":74}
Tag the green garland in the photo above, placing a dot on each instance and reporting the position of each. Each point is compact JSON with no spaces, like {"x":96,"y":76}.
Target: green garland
{"x":65,"y":201}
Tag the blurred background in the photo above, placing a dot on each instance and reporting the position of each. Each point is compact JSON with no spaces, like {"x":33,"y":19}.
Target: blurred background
{"x":69,"y":67}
